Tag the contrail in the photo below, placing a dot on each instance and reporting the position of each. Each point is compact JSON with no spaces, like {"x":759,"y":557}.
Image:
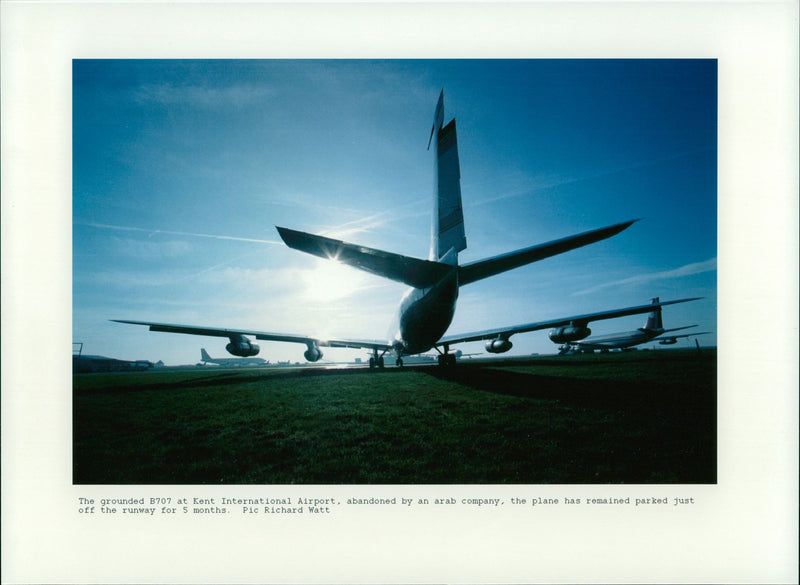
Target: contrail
{"x":557,"y":182}
{"x":173,"y":233}
{"x":687,"y":270}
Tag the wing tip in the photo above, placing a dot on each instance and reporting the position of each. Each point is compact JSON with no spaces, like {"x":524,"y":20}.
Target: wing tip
{"x":626,"y":224}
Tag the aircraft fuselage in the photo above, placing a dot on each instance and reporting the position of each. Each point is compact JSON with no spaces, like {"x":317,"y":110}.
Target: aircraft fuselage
{"x":425,"y":314}
{"x":621,"y":340}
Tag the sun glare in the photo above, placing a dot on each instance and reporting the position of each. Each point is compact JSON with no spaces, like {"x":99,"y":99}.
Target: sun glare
{"x":330,"y":281}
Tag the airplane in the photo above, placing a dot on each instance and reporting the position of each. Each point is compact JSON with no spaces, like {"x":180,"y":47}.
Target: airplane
{"x":427,"y":358}
{"x":673,"y":339}
{"x":427,"y":308}
{"x":653,"y":328}
{"x":231,"y":362}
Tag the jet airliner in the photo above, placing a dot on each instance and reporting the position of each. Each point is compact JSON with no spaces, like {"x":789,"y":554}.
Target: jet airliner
{"x":653,"y":328}
{"x":231,"y":362}
{"x":427,"y":308}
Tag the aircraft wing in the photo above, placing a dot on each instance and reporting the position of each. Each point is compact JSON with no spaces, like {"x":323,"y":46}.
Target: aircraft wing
{"x":406,"y":269}
{"x":262,"y":335}
{"x":582,"y":320}
{"x":681,"y":336}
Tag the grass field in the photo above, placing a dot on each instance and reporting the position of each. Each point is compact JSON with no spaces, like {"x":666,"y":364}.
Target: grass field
{"x":636,"y":417}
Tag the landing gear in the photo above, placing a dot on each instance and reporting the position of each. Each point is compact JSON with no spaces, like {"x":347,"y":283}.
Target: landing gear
{"x":399,"y":362}
{"x":446,"y":359}
{"x":376,"y":361}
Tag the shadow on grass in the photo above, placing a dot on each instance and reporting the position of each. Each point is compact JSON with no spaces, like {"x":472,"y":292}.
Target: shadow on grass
{"x":632,"y":419}
{"x":140,"y":383}
{"x":671,"y":417}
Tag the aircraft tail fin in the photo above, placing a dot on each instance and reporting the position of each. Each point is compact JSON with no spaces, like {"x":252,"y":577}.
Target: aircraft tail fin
{"x":204,"y":355}
{"x":447,"y":230}
{"x":654,"y":318}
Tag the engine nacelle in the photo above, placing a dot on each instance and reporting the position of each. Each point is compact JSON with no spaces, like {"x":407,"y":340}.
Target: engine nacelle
{"x":668,"y":341}
{"x":313,"y":354}
{"x":242,"y":348}
{"x":498,"y":345}
{"x":569,"y":333}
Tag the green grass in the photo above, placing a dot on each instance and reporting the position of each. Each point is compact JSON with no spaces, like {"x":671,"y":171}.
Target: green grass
{"x":640,"y":417}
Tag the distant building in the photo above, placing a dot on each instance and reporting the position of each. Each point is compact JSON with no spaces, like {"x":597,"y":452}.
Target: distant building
{"x":88,"y":364}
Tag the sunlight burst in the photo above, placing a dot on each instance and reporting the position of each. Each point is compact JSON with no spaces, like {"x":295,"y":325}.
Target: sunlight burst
{"x":331,"y":281}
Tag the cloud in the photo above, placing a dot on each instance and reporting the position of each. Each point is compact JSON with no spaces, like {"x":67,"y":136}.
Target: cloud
{"x":147,"y":250}
{"x":529,"y":186}
{"x":687,"y":270}
{"x":203,"y":96}
{"x":175,"y":233}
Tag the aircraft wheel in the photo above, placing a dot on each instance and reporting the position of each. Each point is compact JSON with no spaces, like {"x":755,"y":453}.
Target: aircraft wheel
{"x":446,"y":359}
{"x":399,"y":362}
{"x":380,"y":362}
{"x":371,"y":363}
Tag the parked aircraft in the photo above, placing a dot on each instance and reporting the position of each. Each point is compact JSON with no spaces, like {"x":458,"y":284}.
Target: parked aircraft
{"x":673,"y":339}
{"x":426,"y":310}
{"x":231,"y":362}
{"x":652,"y":329}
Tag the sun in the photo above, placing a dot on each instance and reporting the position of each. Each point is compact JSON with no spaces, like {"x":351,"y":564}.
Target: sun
{"x":330,"y":280}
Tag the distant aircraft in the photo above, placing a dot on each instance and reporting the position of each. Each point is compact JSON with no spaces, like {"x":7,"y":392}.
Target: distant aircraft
{"x":652,"y":329}
{"x":426,"y":310}
{"x":83,"y":364}
{"x":231,"y":362}
{"x":673,"y":339}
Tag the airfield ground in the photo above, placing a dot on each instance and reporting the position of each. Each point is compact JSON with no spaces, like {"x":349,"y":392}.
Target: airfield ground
{"x":638,"y":417}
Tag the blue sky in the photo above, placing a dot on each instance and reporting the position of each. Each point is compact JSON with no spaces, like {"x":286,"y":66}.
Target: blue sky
{"x":181,"y":170}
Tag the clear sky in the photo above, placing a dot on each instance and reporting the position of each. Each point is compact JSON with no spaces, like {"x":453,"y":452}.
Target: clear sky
{"x":182,"y":170}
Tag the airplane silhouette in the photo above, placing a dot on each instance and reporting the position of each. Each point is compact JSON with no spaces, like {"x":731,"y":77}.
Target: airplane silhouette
{"x":653,"y":328}
{"x":231,"y":362}
{"x":427,"y":308}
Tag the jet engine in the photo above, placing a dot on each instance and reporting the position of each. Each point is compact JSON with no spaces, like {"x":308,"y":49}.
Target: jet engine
{"x":569,"y":333}
{"x":668,"y":341}
{"x":499,"y":345}
{"x":242,"y":347}
{"x":313,"y":353}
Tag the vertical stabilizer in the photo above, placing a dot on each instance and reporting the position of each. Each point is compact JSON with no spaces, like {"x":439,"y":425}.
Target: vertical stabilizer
{"x":654,"y":318}
{"x":204,"y":355}
{"x":447,"y":232}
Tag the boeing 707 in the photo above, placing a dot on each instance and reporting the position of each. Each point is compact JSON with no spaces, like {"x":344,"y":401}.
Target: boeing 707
{"x":427,"y":308}
{"x":239,"y":362}
{"x":653,"y":328}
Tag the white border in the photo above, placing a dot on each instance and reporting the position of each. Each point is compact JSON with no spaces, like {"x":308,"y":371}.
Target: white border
{"x":742,"y":530}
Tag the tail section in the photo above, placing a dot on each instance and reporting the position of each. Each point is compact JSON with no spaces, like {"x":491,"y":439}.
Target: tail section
{"x":205,"y":356}
{"x":654,"y":318}
{"x":411,"y":271}
{"x":447,"y":232}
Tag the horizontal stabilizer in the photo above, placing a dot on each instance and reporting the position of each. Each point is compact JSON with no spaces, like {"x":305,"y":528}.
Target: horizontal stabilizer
{"x":484,"y":268}
{"x":411,"y":271}
{"x":685,"y":335}
{"x":679,"y":329}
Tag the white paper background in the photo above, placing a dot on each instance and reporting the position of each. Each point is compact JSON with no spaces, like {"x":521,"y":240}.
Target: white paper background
{"x":742,"y":530}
